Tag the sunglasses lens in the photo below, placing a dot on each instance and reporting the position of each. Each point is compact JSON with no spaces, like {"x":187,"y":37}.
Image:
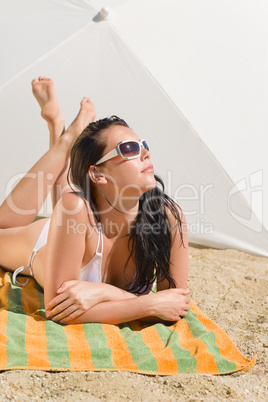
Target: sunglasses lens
{"x":129,"y":149}
{"x":145,"y":145}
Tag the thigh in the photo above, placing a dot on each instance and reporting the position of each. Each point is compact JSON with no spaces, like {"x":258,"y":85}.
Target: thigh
{"x":16,"y":244}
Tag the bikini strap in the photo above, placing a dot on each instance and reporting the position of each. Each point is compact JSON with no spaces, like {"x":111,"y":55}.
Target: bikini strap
{"x":41,"y":241}
{"x":100,"y":239}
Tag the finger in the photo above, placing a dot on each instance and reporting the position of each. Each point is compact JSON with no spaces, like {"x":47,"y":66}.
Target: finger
{"x":59,"y":308}
{"x":182,"y":291}
{"x":183,"y":313}
{"x":66,"y":285}
{"x":64,"y":313}
{"x":57,"y":300}
{"x":186,"y":291}
{"x":187,"y":299}
{"x":71,"y":316}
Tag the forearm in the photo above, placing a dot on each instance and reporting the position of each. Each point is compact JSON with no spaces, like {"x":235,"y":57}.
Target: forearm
{"x":95,"y":292}
{"x":107,"y":304}
{"x":113,"y":293}
{"x":118,"y":311}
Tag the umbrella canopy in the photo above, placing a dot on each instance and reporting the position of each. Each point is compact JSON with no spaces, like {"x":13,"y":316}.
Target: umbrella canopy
{"x":188,"y":76}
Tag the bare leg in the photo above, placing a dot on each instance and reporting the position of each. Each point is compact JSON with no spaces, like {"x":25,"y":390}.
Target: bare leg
{"x":44,"y":92}
{"x":22,"y":205}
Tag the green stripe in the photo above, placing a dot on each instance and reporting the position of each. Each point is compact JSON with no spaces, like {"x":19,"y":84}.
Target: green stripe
{"x":15,"y":346}
{"x":101,"y":355}
{"x":185,"y":361}
{"x":15,"y":329}
{"x":198,"y":330}
{"x":14,"y":297}
{"x":41,"y":310}
{"x":140,"y":352}
{"x":57,"y":347}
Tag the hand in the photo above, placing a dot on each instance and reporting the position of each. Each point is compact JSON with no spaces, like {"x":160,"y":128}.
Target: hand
{"x":74,"y":298}
{"x":171,"y":304}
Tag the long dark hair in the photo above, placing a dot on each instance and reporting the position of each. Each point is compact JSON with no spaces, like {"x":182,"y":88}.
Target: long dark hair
{"x":150,"y":239}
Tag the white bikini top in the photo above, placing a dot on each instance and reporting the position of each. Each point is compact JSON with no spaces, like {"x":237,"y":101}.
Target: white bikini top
{"x":91,"y":272}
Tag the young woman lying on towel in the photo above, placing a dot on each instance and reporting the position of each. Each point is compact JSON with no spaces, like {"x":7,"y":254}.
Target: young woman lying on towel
{"x":113,"y":232}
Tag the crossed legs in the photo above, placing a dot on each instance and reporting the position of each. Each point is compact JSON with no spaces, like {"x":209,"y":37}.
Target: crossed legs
{"x":17,"y":232}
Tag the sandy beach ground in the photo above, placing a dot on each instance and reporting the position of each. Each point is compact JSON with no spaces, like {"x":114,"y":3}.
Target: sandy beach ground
{"x":231,"y":288}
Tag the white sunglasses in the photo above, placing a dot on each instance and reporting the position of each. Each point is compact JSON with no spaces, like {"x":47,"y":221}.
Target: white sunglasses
{"x":127,"y":149}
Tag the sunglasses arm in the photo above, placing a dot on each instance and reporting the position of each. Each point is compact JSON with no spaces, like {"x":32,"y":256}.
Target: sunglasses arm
{"x":114,"y":152}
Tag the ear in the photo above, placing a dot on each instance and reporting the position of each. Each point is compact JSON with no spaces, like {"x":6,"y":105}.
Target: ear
{"x":96,"y":176}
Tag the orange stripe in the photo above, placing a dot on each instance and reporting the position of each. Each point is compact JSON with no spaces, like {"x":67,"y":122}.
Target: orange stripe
{"x":36,"y":343}
{"x":205,"y":361}
{"x":79,"y":350}
{"x":166,"y":362}
{"x":120,"y":354}
{"x":35,"y":333}
{"x":4,"y":284}
{"x":3,"y":339}
{"x":227,"y":347}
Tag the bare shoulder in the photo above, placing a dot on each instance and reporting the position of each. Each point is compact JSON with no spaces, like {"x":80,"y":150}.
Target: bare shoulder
{"x":172,"y":215}
{"x":178,"y":225}
{"x":74,"y":208}
{"x":72,"y":201}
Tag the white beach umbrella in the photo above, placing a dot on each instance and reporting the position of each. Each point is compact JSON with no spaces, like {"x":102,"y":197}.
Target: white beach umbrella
{"x":189,"y":76}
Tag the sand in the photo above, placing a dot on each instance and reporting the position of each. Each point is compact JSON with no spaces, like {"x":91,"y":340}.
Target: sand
{"x":231,"y":288}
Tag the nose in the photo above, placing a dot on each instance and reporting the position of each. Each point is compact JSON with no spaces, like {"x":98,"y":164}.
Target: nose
{"x":145,"y":153}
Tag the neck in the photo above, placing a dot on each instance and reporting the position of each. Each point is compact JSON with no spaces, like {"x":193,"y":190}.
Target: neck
{"x":117,"y":222}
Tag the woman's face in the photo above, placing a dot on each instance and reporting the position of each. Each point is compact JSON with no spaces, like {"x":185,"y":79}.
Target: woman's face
{"x":130,"y":177}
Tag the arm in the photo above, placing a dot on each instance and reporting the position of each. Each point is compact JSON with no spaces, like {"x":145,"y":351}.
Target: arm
{"x":82,"y":302}
{"x":66,"y":245}
{"x":167,"y":305}
{"x":65,"y":294}
{"x":76,"y":297}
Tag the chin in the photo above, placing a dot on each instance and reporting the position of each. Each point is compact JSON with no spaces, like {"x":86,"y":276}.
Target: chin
{"x":150,"y":186}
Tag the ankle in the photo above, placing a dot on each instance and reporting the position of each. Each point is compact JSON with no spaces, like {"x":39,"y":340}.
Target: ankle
{"x":65,"y":142}
{"x":56,"y":129}
{"x":55,"y":122}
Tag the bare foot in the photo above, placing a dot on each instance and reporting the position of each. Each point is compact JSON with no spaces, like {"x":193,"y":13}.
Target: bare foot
{"x":44,"y":92}
{"x":85,"y":116}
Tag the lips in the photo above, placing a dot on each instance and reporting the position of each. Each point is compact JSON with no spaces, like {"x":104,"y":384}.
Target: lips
{"x":148,"y":169}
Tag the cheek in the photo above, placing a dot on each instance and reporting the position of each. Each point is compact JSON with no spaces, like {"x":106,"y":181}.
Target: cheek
{"x":141,"y":182}
{"x":126,"y":177}
{"x":127,"y":172}
{"x":129,"y":175}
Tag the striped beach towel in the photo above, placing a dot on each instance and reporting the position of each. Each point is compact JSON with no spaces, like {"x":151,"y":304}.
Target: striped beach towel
{"x":28,"y":340}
